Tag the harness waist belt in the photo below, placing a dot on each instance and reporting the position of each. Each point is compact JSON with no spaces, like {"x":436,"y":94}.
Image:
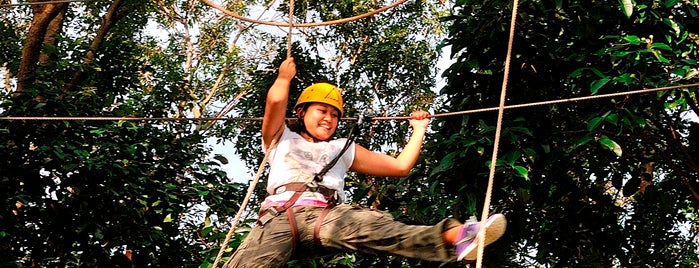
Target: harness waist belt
{"x":302,"y":187}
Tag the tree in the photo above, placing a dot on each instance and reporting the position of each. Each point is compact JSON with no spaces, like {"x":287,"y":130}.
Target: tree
{"x":603,"y":183}
{"x":149,"y":192}
{"x":610,"y":182}
{"x":103,"y":193}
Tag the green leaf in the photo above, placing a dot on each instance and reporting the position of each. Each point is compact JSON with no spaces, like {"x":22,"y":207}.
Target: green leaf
{"x":611,"y":145}
{"x":612,"y":118}
{"x":596,"y":85}
{"x":445,"y":164}
{"x":622,"y":53}
{"x":671,"y":3}
{"x":522,"y":130}
{"x":168,"y":218}
{"x":639,"y":121}
{"x":627,"y":7}
{"x":98,"y":131}
{"x":626,"y":79}
{"x":633,"y":39}
{"x":202,"y":193}
{"x":661,"y":46}
{"x":221,"y":159}
{"x":692,"y":74}
{"x":594,"y":123}
{"x":598,"y":72}
{"x":675,"y":27}
{"x":577,"y":72}
{"x":522,"y":172}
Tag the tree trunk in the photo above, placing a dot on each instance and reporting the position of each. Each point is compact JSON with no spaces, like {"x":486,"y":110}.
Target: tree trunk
{"x":47,"y":20}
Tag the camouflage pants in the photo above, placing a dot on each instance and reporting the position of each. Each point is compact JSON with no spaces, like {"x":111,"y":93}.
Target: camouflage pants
{"x":345,"y":228}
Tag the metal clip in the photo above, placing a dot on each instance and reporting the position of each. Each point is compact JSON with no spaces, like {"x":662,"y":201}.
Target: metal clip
{"x":312,"y":186}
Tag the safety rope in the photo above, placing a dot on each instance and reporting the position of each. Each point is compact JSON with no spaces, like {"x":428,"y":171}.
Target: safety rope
{"x":299,"y":25}
{"x":496,"y":143}
{"x":243,"y":205}
{"x":272,"y":144}
{"x":472,"y":111}
{"x":291,"y":28}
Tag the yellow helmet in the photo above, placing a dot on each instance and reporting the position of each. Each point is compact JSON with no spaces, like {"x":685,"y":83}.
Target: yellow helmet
{"x":323,"y":93}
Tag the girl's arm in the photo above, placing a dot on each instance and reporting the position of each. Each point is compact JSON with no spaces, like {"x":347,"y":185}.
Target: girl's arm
{"x":277,"y":99}
{"x":376,"y":164}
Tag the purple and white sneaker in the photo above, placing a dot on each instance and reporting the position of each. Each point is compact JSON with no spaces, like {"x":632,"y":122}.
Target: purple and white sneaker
{"x":467,"y":245}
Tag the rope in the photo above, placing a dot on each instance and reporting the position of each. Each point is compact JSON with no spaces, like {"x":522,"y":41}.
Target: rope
{"x":496,"y":143}
{"x":312,"y":24}
{"x":473,"y":111}
{"x":251,"y":189}
{"x":291,"y":28}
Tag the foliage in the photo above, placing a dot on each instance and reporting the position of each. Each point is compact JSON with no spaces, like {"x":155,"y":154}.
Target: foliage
{"x":603,"y":183}
{"x":106,"y":193}
{"x":599,"y":183}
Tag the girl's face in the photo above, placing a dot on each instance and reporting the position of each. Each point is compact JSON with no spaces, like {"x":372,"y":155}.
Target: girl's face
{"x":321,"y":120}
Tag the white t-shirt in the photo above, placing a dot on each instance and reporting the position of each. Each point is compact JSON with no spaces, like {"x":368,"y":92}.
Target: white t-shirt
{"x":295,"y":159}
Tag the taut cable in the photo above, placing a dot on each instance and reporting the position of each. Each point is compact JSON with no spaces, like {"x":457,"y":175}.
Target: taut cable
{"x":473,"y":111}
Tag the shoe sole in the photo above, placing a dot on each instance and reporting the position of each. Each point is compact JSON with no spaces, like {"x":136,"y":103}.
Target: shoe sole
{"x":494,"y":229}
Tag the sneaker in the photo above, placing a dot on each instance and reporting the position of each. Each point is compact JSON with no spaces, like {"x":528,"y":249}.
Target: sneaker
{"x":466,"y":247}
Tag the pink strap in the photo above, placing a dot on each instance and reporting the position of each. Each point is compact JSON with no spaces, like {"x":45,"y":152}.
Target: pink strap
{"x":300,"y":202}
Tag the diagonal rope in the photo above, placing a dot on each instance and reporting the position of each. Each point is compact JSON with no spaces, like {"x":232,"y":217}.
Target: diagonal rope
{"x":243,"y":205}
{"x":496,"y":143}
{"x":272,"y":144}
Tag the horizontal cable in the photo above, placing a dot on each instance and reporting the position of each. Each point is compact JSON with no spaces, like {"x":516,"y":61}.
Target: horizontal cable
{"x":515,"y":106}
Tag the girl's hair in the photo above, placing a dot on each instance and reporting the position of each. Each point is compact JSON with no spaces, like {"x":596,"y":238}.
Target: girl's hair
{"x":296,"y":125}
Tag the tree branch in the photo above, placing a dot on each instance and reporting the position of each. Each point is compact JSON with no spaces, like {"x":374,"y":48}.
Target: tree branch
{"x":108,"y":20}
{"x":692,"y":102}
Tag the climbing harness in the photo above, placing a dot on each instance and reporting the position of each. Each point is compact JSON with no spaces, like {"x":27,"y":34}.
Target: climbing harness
{"x":268,"y":213}
{"x":312,"y":185}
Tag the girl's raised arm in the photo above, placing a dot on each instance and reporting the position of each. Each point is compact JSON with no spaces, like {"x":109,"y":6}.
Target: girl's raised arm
{"x":277,"y":99}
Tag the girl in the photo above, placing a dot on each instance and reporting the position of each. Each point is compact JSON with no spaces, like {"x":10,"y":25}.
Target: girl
{"x":304,"y":215}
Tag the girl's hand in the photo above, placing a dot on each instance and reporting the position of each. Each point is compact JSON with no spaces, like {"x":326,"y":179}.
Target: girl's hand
{"x":287,"y":69}
{"x":419,"y":119}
